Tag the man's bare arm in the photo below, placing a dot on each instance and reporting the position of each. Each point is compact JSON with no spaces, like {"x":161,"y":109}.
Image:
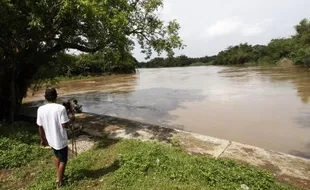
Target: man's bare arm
{"x":66,"y":125}
{"x":43,"y":141}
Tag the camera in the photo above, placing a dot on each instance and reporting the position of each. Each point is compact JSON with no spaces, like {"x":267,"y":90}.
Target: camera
{"x":72,"y":106}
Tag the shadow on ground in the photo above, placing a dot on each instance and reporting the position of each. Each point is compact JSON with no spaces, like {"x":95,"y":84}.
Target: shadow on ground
{"x":111,"y":126}
{"x":94,"y":174}
{"x":105,"y":143}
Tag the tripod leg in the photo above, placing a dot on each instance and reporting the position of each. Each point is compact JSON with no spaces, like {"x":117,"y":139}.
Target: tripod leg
{"x":72,"y":141}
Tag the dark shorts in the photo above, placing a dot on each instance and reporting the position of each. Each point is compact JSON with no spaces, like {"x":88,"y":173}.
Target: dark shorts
{"x":62,"y":155}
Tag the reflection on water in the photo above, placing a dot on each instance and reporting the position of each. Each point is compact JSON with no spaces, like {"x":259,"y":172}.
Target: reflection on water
{"x":119,"y":83}
{"x":146,"y":105}
{"x":263,"y":106}
{"x":300,"y":77}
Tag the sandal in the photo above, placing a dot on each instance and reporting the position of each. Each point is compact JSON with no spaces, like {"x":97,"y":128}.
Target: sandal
{"x":60,"y":184}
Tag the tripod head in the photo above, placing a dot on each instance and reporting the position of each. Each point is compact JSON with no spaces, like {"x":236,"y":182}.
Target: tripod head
{"x":72,"y":106}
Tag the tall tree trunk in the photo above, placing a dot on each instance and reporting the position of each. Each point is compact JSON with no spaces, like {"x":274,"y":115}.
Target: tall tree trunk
{"x":13,"y":94}
{"x":13,"y":87}
{"x":5,"y":94}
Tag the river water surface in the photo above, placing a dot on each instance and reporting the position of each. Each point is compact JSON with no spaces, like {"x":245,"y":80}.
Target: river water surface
{"x":267,"y":107}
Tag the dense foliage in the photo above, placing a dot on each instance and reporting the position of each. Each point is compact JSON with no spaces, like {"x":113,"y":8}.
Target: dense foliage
{"x":98,"y":63}
{"x":33,"y":33}
{"x":296,"y":48}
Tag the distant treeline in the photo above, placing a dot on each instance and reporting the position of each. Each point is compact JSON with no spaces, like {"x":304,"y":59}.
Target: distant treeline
{"x":295,"y":48}
{"x":180,"y":61}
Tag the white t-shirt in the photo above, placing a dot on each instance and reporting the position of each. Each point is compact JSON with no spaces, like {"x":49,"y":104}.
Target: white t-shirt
{"x":51,"y":116}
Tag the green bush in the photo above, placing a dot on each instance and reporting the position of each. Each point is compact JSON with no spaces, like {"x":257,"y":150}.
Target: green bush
{"x":19,"y":145}
{"x":302,"y":56}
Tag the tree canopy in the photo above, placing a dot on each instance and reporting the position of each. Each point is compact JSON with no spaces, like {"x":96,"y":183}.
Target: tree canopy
{"x":33,"y":32}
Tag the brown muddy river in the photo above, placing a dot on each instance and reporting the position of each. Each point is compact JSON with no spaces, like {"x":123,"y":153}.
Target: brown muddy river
{"x":267,"y":107}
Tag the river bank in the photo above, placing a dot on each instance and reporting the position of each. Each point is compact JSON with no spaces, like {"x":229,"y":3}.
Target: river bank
{"x":286,"y":168}
{"x":122,"y":164}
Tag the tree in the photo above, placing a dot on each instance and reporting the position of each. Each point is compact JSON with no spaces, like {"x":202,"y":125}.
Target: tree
{"x":32,"y":32}
{"x":280,"y":48}
{"x":303,"y":32}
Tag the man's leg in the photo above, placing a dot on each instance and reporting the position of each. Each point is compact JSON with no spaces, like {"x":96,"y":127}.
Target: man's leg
{"x":63,"y":157}
{"x":61,"y":171}
{"x":57,"y":163}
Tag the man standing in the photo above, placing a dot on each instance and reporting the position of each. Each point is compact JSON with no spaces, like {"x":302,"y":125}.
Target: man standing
{"x":52,"y":119}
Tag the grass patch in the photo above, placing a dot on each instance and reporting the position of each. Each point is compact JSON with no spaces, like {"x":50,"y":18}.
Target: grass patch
{"x":18,"y":145}
{"x":21,"y":157}
{"x":131,"y":164}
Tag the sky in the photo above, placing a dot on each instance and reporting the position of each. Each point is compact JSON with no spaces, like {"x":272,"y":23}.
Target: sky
{"x":210,"y":26}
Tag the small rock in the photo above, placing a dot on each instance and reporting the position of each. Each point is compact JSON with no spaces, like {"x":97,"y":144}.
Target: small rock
{"x":244,"y":187}
{"x":157,"y":161}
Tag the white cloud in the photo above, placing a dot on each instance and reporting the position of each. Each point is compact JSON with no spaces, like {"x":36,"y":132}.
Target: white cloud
{"x":252,"y":30}
{"x":238,"y":26}
{"x":224,"y":27}
{"x":257,"y":29}
{"x":165,"y":12}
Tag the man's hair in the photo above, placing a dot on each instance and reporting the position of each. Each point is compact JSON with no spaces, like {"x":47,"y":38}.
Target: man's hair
{"x":51,"y":94}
